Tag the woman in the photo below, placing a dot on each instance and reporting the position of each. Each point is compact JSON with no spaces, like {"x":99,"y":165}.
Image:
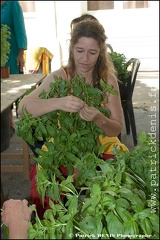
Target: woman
{"x":87,"y":57}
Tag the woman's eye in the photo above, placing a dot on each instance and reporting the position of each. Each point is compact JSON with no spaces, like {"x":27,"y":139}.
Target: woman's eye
{"x":92,"y":53}
{"x":79,"y":51}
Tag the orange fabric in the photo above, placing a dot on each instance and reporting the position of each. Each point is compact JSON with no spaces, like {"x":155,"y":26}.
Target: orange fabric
{"x":114,"y":141}
{"x":65,"y":72}
{"x":34,"y":57}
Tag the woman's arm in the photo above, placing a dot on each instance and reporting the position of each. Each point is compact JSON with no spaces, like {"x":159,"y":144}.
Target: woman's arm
{"x":16,"y":216}
{"x":112,"y":126}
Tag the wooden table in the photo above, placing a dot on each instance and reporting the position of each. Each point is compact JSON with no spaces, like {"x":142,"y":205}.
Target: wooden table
{"x":12,"y":89}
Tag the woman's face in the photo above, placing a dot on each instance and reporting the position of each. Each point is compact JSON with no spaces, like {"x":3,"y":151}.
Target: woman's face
{"x":86,"y":52}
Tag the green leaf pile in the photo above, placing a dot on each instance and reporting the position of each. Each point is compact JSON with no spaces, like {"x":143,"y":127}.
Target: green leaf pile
{"x":113,"y":199}
{"x":118,"y":202}
{"x":67,"y":137}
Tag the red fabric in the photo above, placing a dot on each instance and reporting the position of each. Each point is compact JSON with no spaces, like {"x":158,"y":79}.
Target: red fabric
{"x":107,"y":156}
{"x":34,"y":196}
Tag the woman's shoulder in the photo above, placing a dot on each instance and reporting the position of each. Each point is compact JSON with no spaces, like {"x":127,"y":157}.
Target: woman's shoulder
{"x":112,"y":80}
{"x":59,"y":73}
{"x":50,"y":78}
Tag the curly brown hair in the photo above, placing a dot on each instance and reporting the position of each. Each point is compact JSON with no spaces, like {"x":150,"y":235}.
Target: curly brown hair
{"x":104,"y":66}
{"x":83,"y":17}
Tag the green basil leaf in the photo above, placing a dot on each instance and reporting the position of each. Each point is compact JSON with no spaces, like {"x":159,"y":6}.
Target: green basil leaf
{"x":114,"y":225}
{"x":146,"y":226}
{"x":131,"y":228}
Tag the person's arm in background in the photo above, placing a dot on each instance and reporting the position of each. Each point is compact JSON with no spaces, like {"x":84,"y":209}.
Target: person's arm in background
{"x":20,"y":60}
{"x":20,"y":32}
{"x":16,"y":216}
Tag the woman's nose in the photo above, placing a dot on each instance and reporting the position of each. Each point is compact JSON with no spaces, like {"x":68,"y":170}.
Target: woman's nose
{"x":85,"y":56}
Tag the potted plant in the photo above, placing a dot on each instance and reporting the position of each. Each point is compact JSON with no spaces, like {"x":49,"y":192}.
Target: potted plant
{"x":5,"y":50}
{"x":121,"y":64}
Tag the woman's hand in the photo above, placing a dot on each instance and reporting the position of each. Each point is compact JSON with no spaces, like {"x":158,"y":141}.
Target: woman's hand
{"x":71,"y":104}
{"x":89,"y":114}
